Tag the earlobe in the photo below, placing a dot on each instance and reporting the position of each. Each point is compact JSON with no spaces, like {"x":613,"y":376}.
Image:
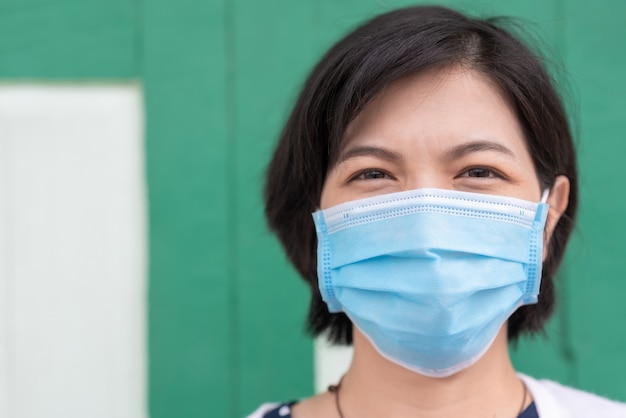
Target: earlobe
{"x":558,"y":200}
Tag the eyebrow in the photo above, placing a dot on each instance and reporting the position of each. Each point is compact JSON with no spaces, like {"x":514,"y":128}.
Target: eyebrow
{"x":462,"y":150}
{"x":369,"y":151}
{"x":452,"y":154}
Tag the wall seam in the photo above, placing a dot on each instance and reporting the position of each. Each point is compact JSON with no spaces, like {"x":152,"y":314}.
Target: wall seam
{"x":232,"y":209}
{"x":566,"y":346}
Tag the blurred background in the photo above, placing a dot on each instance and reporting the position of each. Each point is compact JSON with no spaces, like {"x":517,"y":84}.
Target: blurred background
{"x":137,"y":276}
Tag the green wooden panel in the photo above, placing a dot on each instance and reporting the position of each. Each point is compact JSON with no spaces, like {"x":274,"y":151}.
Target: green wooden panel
{"x":273,"y":43}
{"x":191,"y":281}
{"x":597,"y":63}
{"x":68,"y":39}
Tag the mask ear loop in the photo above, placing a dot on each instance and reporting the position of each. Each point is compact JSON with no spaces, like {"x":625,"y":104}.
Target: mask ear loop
{"x":544,"y":196}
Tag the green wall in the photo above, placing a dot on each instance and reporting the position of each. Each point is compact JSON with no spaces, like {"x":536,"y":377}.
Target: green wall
{"x":225,"y":309}
{"x":65,"y":39}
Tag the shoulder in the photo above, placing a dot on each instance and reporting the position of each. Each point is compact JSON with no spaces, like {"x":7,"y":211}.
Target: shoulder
{"x":554,"y":399}
{"x":273,"y":410}
{"x":320,"y":405}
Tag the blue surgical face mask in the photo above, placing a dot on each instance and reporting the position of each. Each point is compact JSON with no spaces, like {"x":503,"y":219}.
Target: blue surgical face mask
{"x":429,"y":276}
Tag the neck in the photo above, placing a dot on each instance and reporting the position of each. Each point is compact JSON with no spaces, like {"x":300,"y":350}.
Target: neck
{"x":374,"y":387}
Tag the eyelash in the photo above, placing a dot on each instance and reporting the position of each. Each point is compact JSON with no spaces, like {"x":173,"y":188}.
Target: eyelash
{"x":492,"y":173}
{"x":362,"y":173}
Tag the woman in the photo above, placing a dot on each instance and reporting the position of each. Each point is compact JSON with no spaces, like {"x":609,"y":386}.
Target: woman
{"x":437,"y":160}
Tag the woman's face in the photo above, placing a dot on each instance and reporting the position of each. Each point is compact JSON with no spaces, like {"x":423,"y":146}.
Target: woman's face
{"x":449,"y":129}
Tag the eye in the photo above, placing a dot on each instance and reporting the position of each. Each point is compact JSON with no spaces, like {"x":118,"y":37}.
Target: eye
{"x":481,"y":172}
{"x":371,"y":175}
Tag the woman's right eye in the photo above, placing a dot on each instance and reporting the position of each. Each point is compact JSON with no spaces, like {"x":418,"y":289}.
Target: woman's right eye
{"x":371,"y":175}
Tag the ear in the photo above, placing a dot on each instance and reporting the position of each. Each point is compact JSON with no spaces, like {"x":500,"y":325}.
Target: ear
{"x":558,"y":199}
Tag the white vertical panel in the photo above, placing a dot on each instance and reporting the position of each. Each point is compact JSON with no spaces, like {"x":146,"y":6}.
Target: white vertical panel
{"x":4,"y":289}
{"x":74,"y":201}
{"x":331,"y":363}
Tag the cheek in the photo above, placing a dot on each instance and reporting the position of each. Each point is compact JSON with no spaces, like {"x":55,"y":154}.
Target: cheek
{"x":327,"y":196}
{"x":331,"y":197}
{"x":331,"y":191}
{"x":324,"y":200}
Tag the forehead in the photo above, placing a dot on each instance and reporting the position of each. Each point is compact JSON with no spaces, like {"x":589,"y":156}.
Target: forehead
{"x":438,"y":104}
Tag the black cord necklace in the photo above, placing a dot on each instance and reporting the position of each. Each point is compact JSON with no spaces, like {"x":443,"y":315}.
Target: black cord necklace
{"x":335,"y":389}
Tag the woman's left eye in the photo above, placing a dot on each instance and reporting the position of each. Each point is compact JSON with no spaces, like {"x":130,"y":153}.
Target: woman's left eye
{"x":481,"y":172}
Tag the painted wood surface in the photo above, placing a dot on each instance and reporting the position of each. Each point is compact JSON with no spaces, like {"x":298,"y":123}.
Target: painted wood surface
{"x":66,"y":39}
{"x":189,"y":169}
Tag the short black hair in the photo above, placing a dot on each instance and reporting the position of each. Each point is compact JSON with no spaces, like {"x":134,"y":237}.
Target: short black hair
{"x":389,"y":47}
